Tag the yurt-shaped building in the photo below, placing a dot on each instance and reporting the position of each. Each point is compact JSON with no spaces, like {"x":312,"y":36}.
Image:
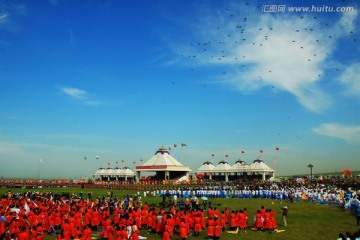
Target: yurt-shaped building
{"x":240,"y":168}
{"x":258,"y":167}
{"x":165,"y":166}
{"x":205,"y":170}
{"x":99,"y":173}
{"x":222,"y":169}
{"x":127,"y":174}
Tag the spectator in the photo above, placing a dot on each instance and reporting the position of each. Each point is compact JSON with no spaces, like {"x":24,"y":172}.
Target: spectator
{"x":284,"y":214}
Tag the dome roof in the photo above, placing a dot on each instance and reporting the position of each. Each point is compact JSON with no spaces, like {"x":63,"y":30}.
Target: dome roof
{"x":207,"y":166}
{"x":223,"y":162}
{"x":162,"y":157}
{"x":241,"y":162}
{"x":259,"y":165}
{"x":223,"y":166}
{"x":240,"y":165}
{"x":208,"y":163}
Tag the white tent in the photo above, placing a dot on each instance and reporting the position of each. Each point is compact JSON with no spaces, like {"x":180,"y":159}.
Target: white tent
{"x":258,"y":165}
{"x":164,"y":165}
{"x":240,"y":166}
{"x":127,"y":172}
{"x":223,"y":166}
{"x":162,"y":157}
{"x":99,"y":172}
{"x":207,"y":166}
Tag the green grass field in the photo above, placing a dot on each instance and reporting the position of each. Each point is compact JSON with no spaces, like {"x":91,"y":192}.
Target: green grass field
{"x":305,"y":220}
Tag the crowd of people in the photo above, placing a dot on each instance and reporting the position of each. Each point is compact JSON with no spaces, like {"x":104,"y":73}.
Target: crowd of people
{"x":33,"y":215}
{"x":30,"y":215}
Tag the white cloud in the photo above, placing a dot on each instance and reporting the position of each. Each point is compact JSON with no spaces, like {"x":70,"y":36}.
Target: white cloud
{"x":4,"y":17}
{"x":350,"y":134}
{"x":288,"y":52}
{"x":347,"y":21}
{"x":79,"y":95}
{"x":74,"y":92}
{"x":351,"y":79}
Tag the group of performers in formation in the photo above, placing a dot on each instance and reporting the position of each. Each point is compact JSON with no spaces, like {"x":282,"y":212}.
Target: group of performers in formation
{"x":26,"y":218}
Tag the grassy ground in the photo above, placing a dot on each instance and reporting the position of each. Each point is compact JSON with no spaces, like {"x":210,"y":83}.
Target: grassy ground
{"x":305,"y":220}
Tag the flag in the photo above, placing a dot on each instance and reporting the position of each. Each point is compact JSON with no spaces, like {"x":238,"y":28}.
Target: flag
{"x":27,"y":208}
{"x":52,"y":230}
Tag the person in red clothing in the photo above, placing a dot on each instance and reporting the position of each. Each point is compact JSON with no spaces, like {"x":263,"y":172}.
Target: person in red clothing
{"x":166,"y":234}
{"x":23,"y":235}
{"x":242,"y":220}
{"x":258,"y":221}
{"x":135,"y":232}
{"x":233,"y":220}
{"x":87,"y":233}
{"x":273,"y":224}
{"x":109,"y":232}
{"x":210,"y":227}
{"x":117,"y":232}
{"x":267,"y":222}
{"x":57,"y":220}
{"x":217,"y":227}
{"x":3,"y":228}
{"x":159,"y":223}
{"x":95,"y":219}
{"x":223,"y":219}
{"x":169,"y":224}
{"x":66,"y":227}
{"x":197,"y":224}
{"x":183,"y":230}
{"x":123,"y":233}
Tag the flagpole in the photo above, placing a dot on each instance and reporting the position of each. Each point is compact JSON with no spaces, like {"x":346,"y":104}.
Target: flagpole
{"x":274,"y":162}
{"x":38,"y":170}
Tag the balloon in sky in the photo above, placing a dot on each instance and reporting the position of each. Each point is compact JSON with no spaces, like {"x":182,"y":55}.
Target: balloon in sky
{"x":97,"y":157}
{"x":175,"y":145}
{"x":85,"y":158}
{"x":277,"y":148}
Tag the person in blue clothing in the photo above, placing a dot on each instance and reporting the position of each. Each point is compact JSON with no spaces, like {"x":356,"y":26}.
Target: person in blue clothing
{"x":357,"y":214}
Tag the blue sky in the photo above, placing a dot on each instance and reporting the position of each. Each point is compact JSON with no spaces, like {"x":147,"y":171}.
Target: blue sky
{"x":119,"y":79}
